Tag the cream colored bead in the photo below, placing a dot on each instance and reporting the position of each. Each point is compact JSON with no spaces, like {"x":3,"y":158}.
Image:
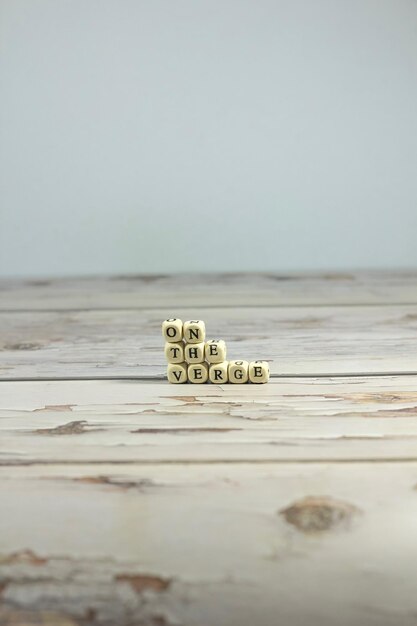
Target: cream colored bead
{"x":172,"y":330}
{"x":198,"y":373}
{"x":194,"y":331}
{"x":174,"y":352}
{"x":238,"y":372}
{"x":177,"y":373}
{"x":218,"y":373}
{"x":215,"y":351}
{"x":194,"y":352}
{"x":258,"y":371}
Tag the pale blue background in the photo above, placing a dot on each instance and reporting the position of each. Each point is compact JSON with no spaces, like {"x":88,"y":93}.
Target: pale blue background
{"x":166,"y":135}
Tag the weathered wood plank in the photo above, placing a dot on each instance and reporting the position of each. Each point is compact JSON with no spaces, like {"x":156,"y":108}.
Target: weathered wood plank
{"x":287,"y":420}
{"x":293,"y":544}
{"x":143,"y":503}
{"x":196,"y":290}
{"x":296,"y":341}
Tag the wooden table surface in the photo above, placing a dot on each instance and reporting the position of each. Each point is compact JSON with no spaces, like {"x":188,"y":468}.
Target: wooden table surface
{"x":127,"y":501}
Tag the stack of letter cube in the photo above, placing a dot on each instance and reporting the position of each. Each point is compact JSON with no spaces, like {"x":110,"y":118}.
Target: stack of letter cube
{"x":193,"y":359}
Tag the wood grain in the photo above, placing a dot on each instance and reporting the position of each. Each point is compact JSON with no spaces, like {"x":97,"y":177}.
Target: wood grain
{"x":207,"y":290}
{"x":287,"y":420}
{"x":211,"y":544}
{"x":295,"y":340}
{"x":131,"y":502}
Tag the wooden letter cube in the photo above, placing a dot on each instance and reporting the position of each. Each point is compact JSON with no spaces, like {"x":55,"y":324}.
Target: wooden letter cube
{"x":174,"y":352}
{"x":258,"y":372}
{"x":177,"y":372}
{"x":172,"y":330}
{"x":194,"y":352}
{"x":198,"y":373}
{"x":194,"y":331}
{"x":218,"y":373}
{"x":238,"y":372}
{"x":215,"y":351}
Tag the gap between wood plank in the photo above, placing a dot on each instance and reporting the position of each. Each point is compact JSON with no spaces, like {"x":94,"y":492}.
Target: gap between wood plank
{"x":150,"y":379}
{"x":264,"y":461}
{"x":284,"y":305}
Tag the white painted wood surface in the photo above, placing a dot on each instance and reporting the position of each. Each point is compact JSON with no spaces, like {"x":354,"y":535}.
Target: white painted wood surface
{"x":133,"y":502}
{"x":295,"y":340}
{"x":212,"y":544}
{"x":286,"y":420}
{"x":196,"y":290}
